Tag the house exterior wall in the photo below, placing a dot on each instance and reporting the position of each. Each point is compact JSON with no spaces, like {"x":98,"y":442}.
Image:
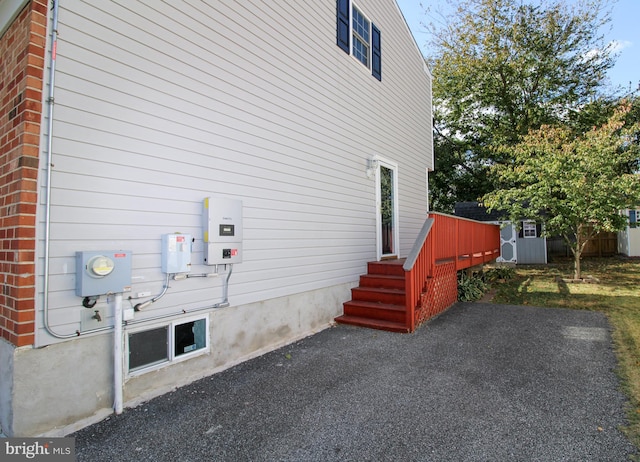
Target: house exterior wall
{"x":159,"y":105}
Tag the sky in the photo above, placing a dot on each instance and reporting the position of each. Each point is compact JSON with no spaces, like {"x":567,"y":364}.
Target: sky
{"x":625,"y":31}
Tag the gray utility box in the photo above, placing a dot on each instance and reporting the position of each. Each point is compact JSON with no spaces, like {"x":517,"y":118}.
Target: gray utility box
{"x":222,"y":229}
{"x":101,"y":272}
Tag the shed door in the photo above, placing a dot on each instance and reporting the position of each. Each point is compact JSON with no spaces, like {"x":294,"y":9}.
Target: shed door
{"x":508,"y":248}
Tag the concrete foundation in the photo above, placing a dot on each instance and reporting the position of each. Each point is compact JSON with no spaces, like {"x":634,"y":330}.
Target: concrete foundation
{"x":61,"y":388}
{"x":6,"y":386}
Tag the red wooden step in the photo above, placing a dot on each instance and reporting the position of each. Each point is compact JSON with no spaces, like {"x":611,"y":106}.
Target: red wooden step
{"x":379,"y":324}
{"x":379,"y":294}
{"x":382,"y":280}
{"x":374,"y":310}
{"x":388,"y":267}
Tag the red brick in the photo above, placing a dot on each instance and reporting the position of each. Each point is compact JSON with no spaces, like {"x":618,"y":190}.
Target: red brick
{"x":23,"y":340}
{"x":23,"y":315}
{"x":24,"y":328}
{"x":24,"y":293}
{"x":24,"y":305}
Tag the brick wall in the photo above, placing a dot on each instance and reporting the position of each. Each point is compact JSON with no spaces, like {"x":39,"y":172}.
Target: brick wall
{"x":22,"y":63}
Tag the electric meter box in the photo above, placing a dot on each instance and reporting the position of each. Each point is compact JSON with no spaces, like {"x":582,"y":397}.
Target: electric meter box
{"x":103,"y":272}
{"x":222,"y":226}
{"x":176,"y":253}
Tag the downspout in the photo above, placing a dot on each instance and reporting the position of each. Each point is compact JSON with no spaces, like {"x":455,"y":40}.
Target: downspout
{"x":47,"y":199}
{"x":117,"y":355}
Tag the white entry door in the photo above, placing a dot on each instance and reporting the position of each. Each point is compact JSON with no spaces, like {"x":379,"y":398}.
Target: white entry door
{"x":387,"y":209}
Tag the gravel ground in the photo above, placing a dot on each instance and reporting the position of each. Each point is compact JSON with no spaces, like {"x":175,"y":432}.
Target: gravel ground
{"x":481,"y":382}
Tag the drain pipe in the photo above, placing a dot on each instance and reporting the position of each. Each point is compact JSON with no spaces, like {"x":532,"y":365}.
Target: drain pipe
{"x":117,"y":355}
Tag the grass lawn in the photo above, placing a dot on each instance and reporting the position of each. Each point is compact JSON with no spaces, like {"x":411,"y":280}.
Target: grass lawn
{"x":617,"y":294}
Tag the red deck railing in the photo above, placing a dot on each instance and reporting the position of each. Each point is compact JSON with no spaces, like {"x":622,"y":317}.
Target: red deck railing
{"x":444,"y":239}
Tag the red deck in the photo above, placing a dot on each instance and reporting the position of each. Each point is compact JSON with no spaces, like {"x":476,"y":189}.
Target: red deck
{"x":398,"y":295}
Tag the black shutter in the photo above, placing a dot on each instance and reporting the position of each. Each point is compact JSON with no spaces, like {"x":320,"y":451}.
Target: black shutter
{"x":376,"y":54}
{"x":538,"y":229}
{"x":343,"y":24}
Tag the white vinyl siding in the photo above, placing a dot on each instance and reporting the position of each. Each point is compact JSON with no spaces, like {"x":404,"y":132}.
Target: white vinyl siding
{"x":161,"y":104}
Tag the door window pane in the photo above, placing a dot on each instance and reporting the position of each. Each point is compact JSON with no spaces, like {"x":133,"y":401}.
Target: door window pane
{"x":386,"y":210}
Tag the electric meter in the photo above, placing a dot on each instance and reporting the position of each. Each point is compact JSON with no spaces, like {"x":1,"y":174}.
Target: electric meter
{"x":103,"y":272}
{"x":100,"y":266}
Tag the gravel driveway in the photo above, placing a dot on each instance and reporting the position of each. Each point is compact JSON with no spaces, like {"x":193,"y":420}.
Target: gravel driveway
{"x":481,"y":382}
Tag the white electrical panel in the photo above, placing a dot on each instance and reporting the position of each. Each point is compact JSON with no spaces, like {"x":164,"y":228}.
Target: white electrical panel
{"x":222,"y":227}
{"x":176,"y":253}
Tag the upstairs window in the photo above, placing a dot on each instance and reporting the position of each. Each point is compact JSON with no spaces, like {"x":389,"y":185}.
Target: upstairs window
{"x":359,"y":37}
{"x":634,"y":218}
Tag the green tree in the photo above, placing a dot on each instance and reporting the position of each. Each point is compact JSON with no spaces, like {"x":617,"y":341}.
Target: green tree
{"x":578,"y":183}
{"x":502,"y":68}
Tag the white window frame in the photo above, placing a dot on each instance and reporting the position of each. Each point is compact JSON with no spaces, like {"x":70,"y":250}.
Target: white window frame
{"x":171,"y":357}
{"x":355,"y":37}
{"x":529,"y":230}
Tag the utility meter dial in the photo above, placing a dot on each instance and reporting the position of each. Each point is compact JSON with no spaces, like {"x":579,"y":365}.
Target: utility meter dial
{"x":100,"y":266}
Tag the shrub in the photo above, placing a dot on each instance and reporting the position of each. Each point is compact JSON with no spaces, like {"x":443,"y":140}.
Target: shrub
{"x":500,"y":272}
{"x":470,"y":288}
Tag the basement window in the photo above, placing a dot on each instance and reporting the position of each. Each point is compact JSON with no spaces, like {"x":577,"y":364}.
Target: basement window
{"x":151,"y":348}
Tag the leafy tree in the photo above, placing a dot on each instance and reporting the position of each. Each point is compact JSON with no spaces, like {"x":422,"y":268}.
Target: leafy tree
{"x":457,"y":175}
{"x":578,"y":182}
{"x":502,"y":68}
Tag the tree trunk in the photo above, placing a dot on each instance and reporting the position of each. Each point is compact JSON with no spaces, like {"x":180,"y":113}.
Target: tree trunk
{"x":577,"y":274}
{"x":577,"y":252}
